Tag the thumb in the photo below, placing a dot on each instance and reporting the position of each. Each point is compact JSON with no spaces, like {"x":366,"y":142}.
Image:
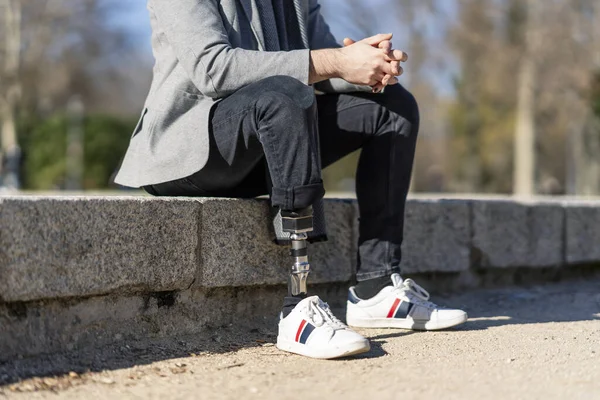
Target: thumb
{"x":348,"y":42}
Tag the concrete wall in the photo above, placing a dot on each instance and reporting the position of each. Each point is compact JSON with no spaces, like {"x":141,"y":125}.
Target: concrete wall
{"x":61,"y":253}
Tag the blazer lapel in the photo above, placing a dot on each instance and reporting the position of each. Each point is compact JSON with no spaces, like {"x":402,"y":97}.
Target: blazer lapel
{"x":251,"y":11}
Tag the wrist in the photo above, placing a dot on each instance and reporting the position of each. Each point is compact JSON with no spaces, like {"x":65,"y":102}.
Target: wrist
{"x":335,"y":62}
{"x":325,"y":64}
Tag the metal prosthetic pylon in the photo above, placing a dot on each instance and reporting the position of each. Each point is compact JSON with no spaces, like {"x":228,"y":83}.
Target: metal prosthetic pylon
{"x":298,"y":224}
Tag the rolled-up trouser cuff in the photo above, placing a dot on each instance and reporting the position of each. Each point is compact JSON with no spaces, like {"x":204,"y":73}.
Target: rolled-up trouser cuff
{"x":298,"y":197}
{"x":386,"y":271}
{"x":379,"y":257}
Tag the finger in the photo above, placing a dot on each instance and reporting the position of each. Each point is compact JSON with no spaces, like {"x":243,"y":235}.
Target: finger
{"x":376,"y":80}
{"x":386,"y":68}
{"x":377,"y":88}
{"x":386,"y":80}
{"x":348,"y":41}
{"x":393,"y":81}
{"x":395,"y":67}
{"x":375,"y":40}
{"x":386,"y":45}
{"x":396,"y":55}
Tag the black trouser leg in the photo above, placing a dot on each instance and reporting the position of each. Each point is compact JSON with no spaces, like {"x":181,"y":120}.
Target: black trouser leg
{"x":385,"y":126}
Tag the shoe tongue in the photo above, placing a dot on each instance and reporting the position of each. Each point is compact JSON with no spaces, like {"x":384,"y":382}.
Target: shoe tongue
{"x":396,"y":280}
{"x":323,"y":307}
{"x":311,"y":299}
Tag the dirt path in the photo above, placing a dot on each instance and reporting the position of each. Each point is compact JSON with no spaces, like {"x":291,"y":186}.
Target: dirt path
{"x":542,"y":342}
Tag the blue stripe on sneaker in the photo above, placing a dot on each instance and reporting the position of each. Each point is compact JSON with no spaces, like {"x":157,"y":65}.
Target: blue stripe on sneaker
{"x":403,"y":309}
{"x":352,"y":298}
{"x":306,"y":333}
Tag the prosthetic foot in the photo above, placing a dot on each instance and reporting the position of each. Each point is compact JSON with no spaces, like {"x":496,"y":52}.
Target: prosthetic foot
{"x":298,"y":224}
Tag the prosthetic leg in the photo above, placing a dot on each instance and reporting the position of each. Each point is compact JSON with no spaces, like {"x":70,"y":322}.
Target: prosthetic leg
{"x":298,"y":224}
{"x":311,"y":329}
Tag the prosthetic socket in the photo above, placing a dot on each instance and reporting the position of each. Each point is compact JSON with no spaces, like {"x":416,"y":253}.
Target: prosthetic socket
{"x":298,"y":224}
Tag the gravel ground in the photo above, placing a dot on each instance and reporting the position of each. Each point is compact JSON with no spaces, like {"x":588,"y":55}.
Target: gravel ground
{"x":538,"y":342}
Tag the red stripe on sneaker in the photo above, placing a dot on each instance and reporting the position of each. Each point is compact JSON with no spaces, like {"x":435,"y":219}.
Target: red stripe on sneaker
{"x":300,"y":329}
{"x":393,"y":309}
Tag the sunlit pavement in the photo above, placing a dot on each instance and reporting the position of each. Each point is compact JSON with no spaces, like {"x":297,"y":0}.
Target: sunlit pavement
{"x":538,"y":342}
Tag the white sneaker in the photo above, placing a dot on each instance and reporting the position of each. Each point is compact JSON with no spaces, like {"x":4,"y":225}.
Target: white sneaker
{"x":312,"y":330}
{"x":403,"y":305}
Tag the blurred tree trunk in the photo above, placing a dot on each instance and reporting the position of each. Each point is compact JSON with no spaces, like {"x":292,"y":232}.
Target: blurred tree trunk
{"x":10,"y":91}
{"x":524,"y":162}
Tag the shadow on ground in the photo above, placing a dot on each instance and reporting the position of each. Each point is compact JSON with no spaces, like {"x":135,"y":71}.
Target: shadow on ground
{"x":573,"y":300}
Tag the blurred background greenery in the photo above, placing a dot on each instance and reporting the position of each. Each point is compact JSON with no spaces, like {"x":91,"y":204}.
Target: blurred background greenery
{"x":509,"y":90}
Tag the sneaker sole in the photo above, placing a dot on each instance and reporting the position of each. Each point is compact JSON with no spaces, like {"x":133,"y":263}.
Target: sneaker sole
{"x":407,"y":323}
{"x":323,"y":354}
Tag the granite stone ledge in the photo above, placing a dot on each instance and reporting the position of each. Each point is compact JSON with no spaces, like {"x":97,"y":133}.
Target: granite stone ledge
{"x":237,"y":246}
{"x":55,"y":247}
{"x":582,"y":232}
{"x":61,"y":247}
{"x":510,"y":234}
{"x":437,"y":236}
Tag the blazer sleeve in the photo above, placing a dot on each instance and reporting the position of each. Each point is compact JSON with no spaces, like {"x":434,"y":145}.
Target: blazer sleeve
{"x":320,"y":37}
{"x":196,"y":32}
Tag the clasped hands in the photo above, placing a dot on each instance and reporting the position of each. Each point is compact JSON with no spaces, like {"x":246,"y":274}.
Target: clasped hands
{"x":374,"y":62}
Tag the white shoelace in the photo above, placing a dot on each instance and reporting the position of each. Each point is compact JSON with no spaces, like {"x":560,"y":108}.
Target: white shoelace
{"x":415,"y":293}
{"x":320,"y":313}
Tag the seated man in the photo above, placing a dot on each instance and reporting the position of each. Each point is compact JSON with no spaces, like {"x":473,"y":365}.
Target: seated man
{"x":232,"y":111}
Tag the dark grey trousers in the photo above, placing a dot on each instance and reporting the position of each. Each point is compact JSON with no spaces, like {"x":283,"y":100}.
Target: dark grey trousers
{"x":274,"y":136}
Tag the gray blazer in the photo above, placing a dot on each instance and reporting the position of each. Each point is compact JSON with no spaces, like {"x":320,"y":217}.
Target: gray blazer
{"x":205,"y":50}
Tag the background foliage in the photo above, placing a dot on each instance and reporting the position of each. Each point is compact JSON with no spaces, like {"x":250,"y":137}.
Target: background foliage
{"x":105,"y":141}
{"x":503,"y":85}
